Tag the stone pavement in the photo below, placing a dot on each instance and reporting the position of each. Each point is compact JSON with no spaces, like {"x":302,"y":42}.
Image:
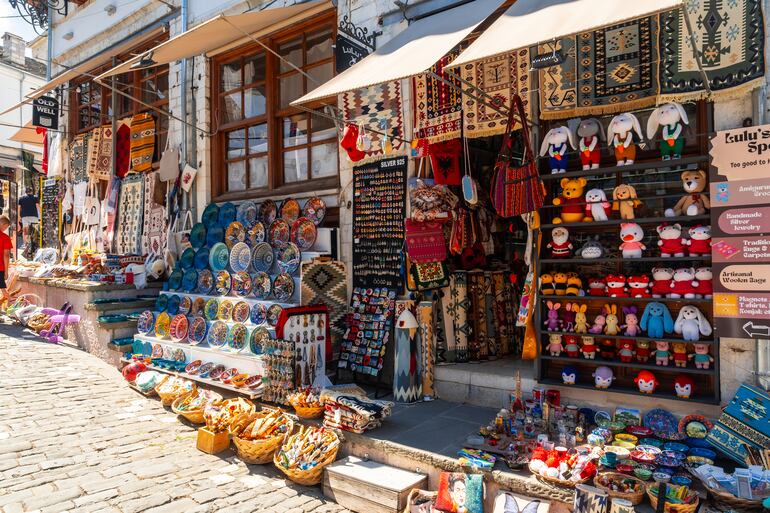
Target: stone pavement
{"x":75,"y":438}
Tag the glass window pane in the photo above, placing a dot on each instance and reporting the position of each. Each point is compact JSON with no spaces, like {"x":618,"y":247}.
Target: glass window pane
{"x":294,"y":130}
{"x":319,"y":46}
{"x":320,"y":74}
{"x":96,"y":93}
{"x":258,"y":172}
{"x":258,"y":139}
{"x":236,"y":176}
{"x":291,"y":89}
{"x":162,"y":83}
{"x":236,"y":144}
{"x":323,"y":160}
{"x":231,"y":107}
{"x":295,"y":165}
{"x":254,"y":102}
{"x":254,"y":69}
{"x":323,"y":129}
{"x":292,"y":52}
{"x":231,"y":76}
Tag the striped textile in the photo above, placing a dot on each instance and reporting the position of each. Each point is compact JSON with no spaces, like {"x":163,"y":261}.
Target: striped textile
{"x":142,"y":142}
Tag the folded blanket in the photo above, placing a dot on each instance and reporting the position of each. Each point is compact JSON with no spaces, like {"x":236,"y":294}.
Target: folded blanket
{"x":360,"y":405}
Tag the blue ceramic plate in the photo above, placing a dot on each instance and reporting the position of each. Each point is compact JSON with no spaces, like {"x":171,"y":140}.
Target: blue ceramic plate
{"x":651,"y":441}
{"x":288,"y":258}
{"x":185,"y":304}
{"x":187,"y":259}
{"x":214,"y":235}
{"x":219,"y":257}
{"x":173,"y":304}
{"x":258,"y":314}
{"x":227,"y":213}
{"x":202,"y":258}
{"x":698,"y":442}
{"x":146,"y":323}
{"x":210,"y":215}
{"x":247,"y":213}
{"x":662,"y":422}
{"x":262,"y":257}
{"x":240,"y":257}
{"x":675,"y":446}
{"x":161,"y":303}
{"x":205,"y":281}
{"x":175,"y":280}
{"x":190,"y":280}
{"x":198,"y":235}
{"x":703,"y":453}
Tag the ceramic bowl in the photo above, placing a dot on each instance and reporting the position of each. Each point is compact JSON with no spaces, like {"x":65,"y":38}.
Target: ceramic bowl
{"x":625,"y":445}
{"x":621,"y":452}
{"x":624,"y":468}
{"x":651,"y":449}
{"x":604,"y":433}
{"x":697,"y":461}
{"x":675,"y":446}
{"x":681,"y":480}
{"x":643,"y":473}
{"x":651,"y":441}
{"x":625,"y":437}
{"x":704,"y":453}
{"x":661,"y":477}
{"x":639,"y":431}
{"x":615,"y":427}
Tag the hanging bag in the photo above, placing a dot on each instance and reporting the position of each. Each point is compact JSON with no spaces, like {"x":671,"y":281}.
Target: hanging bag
{"x":425,"y":241}
{"x":515,"y":189}
{"x":470,"y":189}
{"x":181,"y":232}
{"x":91,"y":207}
{"x":169,"y":164}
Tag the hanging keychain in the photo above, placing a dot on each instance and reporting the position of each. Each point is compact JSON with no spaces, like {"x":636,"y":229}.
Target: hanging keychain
{"x":387,"y":145}
{"x":470,"y":189}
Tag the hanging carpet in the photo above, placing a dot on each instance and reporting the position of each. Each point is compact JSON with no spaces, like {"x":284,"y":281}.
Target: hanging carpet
{"x":459,"y":313}
{"x":438,"y":107}
{"x":130,"y":216}
{"x":378,"y":108}
{"x":324,"y":282}
{"x":142,"y":142}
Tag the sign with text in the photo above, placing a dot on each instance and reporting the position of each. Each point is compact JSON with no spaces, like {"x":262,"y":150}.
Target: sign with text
{"x":348,"y":52}
{"x":45,"y":112}
{"x":740,"y":227}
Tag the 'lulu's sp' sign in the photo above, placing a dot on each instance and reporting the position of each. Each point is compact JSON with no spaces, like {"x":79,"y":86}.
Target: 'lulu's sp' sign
{"x":45,"y":112}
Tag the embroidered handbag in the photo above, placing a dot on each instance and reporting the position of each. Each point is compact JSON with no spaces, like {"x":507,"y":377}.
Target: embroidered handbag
{"x":516,"y":189}
{"x":425,"y":241}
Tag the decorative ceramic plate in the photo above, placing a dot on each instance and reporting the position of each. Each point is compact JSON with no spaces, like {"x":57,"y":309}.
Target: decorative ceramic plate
{"x":240,"y":257}
{"x":241,"y":311}
{"x":162,"y":324}
{"x":190,"y":280}
{"x":262,"y":257}
{"x":175,"y":280}
{"x":202,"y":258}
{"x":227,"y":213}
{"x":315,"y":210}
{"x":193,"y":367}
{"x":187,"y":259}
{"x":247,"y":213}
{"x":273,"y":313}
{"x":198,"y":235}
{"x":205,"y":369}
{"x":214,"y":235}
{"x":279,"y":233}
{"x":225,"y":312}
{"x":639,"y":431}
{"x":219,"y":257}
{"x":146,"y":322}
{"x":261,"y":285}
{"x":173,"y":304}
{"x":676,"y":447}
{"x":161,"y":303}
{"x":196,"y":333}
{"x":258,"y":339}
{"x":222,"y":283}
{"x":157,"y":351}
{"x":695,"y":426}
{"x":168,"y":353}
{"x":242,"y":284}
{"x":185,"y":305}
{"x":212,"y":307}
{"x":661,"y":422}
{"x":210,"y":215}
{"x":179,"y":356}
{"x":205,"y":281}
{"x":217,"y":372}
{"x":235,"y":233}
{"x":283,"y":287}
{"x":290,"y":210}
{"x":288,"y":258}
{"x":303,"y":233}
{"x":268,"y":212}
{"x":198,"y":305}
{"x":238,"y":337}
{"x":256,"y":233}
{"x":253,"y":382}
{"x":258,"y":314}
{"x":228,"y":374}
{"x":218,"y":334}
{"x":178,"y":328}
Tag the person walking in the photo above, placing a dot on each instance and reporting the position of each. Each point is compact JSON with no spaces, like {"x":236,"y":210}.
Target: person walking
{"x":28,"y":213}
{"x":6,"y":246}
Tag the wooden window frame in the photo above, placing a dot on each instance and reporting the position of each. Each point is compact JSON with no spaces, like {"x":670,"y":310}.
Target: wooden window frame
{"x":273,"y":116}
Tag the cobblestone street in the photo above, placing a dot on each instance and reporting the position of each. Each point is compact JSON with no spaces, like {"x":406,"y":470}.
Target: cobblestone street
{"x":74,"y":437}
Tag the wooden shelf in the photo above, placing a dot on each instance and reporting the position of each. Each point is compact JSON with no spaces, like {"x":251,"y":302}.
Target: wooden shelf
{"x":627,"y":299}
{"x":628,"y":390}
{"x":623,"y":337}
{"x":615,"y":259}
{"x":630,"y":365}
{"x":243,"y":355}
{"x":677,"y":163}
{"x":640,"y":221}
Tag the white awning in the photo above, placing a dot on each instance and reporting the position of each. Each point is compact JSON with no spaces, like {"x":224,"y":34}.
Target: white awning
{"x":529,"y":22}
{"x":223,"y":32}
{"x":28,"y":135}
{"x":411,"y":52}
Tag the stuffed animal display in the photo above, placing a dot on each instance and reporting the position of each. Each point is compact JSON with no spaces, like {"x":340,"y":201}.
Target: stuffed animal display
{"x":603,"y":377}
{"x":625,"y":201}
{"x":695,"y":202}
{"x":590,"y":133}
{"x":571,"y":201}
{"x":591,"y":249}
{"x":646,"y":382}
{"x":597,"y":206}
{"x":560,"y":245}
{"x":691,"y":324}
{"x":657,"y":320}
{"x":555,"y":146}
{"x":561,"y":284}
{"x":569,"y":375}
{"x":670,"y":119}
{"x":684,"y":386}
{"x":631,"y":235}
{"x":682,"y":282}
{"x":623,"y":134}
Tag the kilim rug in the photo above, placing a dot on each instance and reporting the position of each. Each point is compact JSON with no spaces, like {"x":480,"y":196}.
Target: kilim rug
{"x":154,"y":230}
{"x":130,"y":216}
{"x":102,"y":166}
{"x":446,"y":346}
{"x":489,"y":298}
{"x":92,"y":150}
{"x":123,"y":147}
{"x":500,"y":77}
{"x":325,"y":283}
{"x":142,"y":142}
{"x":427,"y":347}
{"x":406,"y":378}
{"x":78,"y":166}
{"x":458,"y":283}
{"x":438,"y":107}
{"x":502,"y":327}
{"x":478,"y":344}
{"x":609,"y":70}
{"x":375,"y":107}
{"x":730,"y":40}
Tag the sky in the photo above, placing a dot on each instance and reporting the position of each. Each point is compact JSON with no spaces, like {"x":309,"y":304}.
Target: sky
{"x":14,"y":25}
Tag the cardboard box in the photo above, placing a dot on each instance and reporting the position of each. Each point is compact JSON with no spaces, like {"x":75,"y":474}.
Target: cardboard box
{"x":212,"y":443}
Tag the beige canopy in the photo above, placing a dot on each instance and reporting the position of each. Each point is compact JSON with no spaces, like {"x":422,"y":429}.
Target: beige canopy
{"x":528,"y":22}
{"x":413,"y":51}
{"x":28,"y":135}
{"x":222,"y":32}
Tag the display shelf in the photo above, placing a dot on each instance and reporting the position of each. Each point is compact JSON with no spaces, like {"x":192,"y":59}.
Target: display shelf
{"x":639,"y":221}
{"x":244,"y":355}
{"x":642,"y":166}
{"x":624,"y":337}
{"x":630,"y":391}
{"x":629,"y":299}
{"x":234,"y":299}
{"x":615,"y":259}
{"x":630,"y":365}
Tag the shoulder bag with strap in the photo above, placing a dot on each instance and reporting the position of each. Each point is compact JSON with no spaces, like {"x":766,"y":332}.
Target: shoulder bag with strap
{"x":169,"y":164}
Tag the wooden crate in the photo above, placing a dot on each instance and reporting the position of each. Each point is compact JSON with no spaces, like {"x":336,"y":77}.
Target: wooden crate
{"x":212,"y":443}
{"x":368,"y":486}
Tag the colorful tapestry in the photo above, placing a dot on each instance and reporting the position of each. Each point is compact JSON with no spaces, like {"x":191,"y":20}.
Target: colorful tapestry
{"x":101,"y":167}
{"x":130,"y":216}
{"x":437,"y":106}
{"x":500,"y":78}
{"x":609,"y":70}
{"x":425,"y":322}
{"x":324,"y":282}
{"x":378,"y":108}
{"x":730,"y":37}
{"x":78,"y":151}
{"x":154,"y":230}
{"x":92,"y":150}
{"x":123,"y":147}
{"x":443,"y":326}
{"x":478,"y":345}
{"x":502,"y":328}
{"x":459,"y":314}
{"x":406,"y":373}
{"x":142,"y":142}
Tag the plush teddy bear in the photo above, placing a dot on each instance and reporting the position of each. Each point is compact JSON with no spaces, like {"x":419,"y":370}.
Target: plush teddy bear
{"x":661,"y":281}
{"x":646,"y":382}
{"x":597,"y":206}
{"x":671,"y":119}
{"x":571,"y":201}
{"x":671,"y":242}
{"x":589,"y":347}
{"x":684,"y":283}
{"x":597,"y":286}
{"x":705,"y":287}
{"x":694,"y":202}
{"x":691,"y":323}
{"x":631,"y":234}
{"x":639,"y":286}
{"x":625,"y":200}
{"x":700,"y":240}
{"x":642,"y":351}
{"x":616,"y":285}
{"x":679,"y":350}
{"x":560,"y":245}
{"x":626,"y":351}
{"x":555,"y":146}
{"x":571,"y":346}
{"x":620,"y":137}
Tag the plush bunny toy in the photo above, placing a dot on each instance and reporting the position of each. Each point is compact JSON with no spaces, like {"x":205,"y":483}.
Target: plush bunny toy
{"x":691,"y":324}
{"x":620,"y":137}
{"x":670,"y":118}
{"x":590,"y":132}
{"x":555,"y":145}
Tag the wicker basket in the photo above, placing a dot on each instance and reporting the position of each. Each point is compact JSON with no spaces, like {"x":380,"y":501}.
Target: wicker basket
{"x":419,"y":495}
{"x":557,"y":482}
{"x":311,"y":412}
{"x":194,"y":416}
{"x":670,"y":507}
{"x":167,"y":399}
{"x":732,"y":502}
{"x":635,"y":498}
{"x":257,"y":452}
{"x":311,"y":476}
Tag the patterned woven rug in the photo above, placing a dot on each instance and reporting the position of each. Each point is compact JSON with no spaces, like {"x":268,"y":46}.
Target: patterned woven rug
{"x":154,"y":229}
{"x":142,"y":142}
{"x":374,"y":106}
{"x":78,"y":149}
{"x":438,"y":107}
{"x":130,"y":216}
{"x":123,"y":147}
{"x":458,"y":283}
{"x":101,"y":168}
{"x":730,"y":36}
{"x":425,"y":322}
{"x":325,"y":283}
{"x":92,"y":150}
{"x":500,"y":77}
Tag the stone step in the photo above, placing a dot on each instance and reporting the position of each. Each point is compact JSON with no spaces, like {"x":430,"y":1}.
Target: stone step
{"x":118,"y":305}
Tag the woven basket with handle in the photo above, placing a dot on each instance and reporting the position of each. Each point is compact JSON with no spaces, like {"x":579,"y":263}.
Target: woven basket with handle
{"x":168,"y":398}
{"x":193,"y":415}
{"x":261,"y":451}
{"x":635,"y":498}
{"x":313,"y":475}
{"x":733,"y":502}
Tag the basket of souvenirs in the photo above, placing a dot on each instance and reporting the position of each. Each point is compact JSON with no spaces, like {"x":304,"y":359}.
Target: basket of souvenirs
{"x":257,"y":436}
{"x":566,"y":468}
{"x":219,"y":416}
{"x":306,"y":404}
{"x":679,"y":499}
{"x":191,"y":406}
{"x":39,"y":322}
{"x":728,"y":501}
{"x":173,"y":387}
{"x":621,"y":486}
{"x":304,"y":455}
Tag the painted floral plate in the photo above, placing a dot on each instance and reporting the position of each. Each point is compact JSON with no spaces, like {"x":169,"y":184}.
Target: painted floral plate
{"x":225,"y":312}
{"x":211,"y":310}
{"x":240,"y":257}
{"x":273,"y":313}
{"x":193,"y":367}
{"x":279,"y":233}
{"x":261,"y":285}
{"x":196,"y":333}
{"x":303,"y":233}
{"x":205,"y":369}
{"x":157,"y":351}
{"x":694,"y":426}
{"x":205,"y":281}
{"x":185,"y":305}
{"x":256,"y":233}
{"x":662,"y":422}
{"x":222,"y":283}
{"x":198,"y":235}
{"x":262,"y":257}
{"x":241,"y":311}
{"x":268,"y":211}
{"x":218,"y":334}
{"x":235,"y":233}
{"x":198,"y":305}
{"x":258,"y":314}
{"x":210,"y":215}
{"x":238,"y":337}
{"x":162,"y":324}
{"x":288,"y":258}
{"x":214,"y":235}
{"x":315,"y":210}
{"x":241,"y":284}
{"x":227,"y":213}
{"x":290,"y":210}
{"x":247,"y":213}
{"x":259,"y":338}
{"x":283,"y":287}
{"x":146,"y":322}
{"x":178,"y":328}
{"x":219,"y":257}
{"x":190,"y":280}
{"x":217,"y":372}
